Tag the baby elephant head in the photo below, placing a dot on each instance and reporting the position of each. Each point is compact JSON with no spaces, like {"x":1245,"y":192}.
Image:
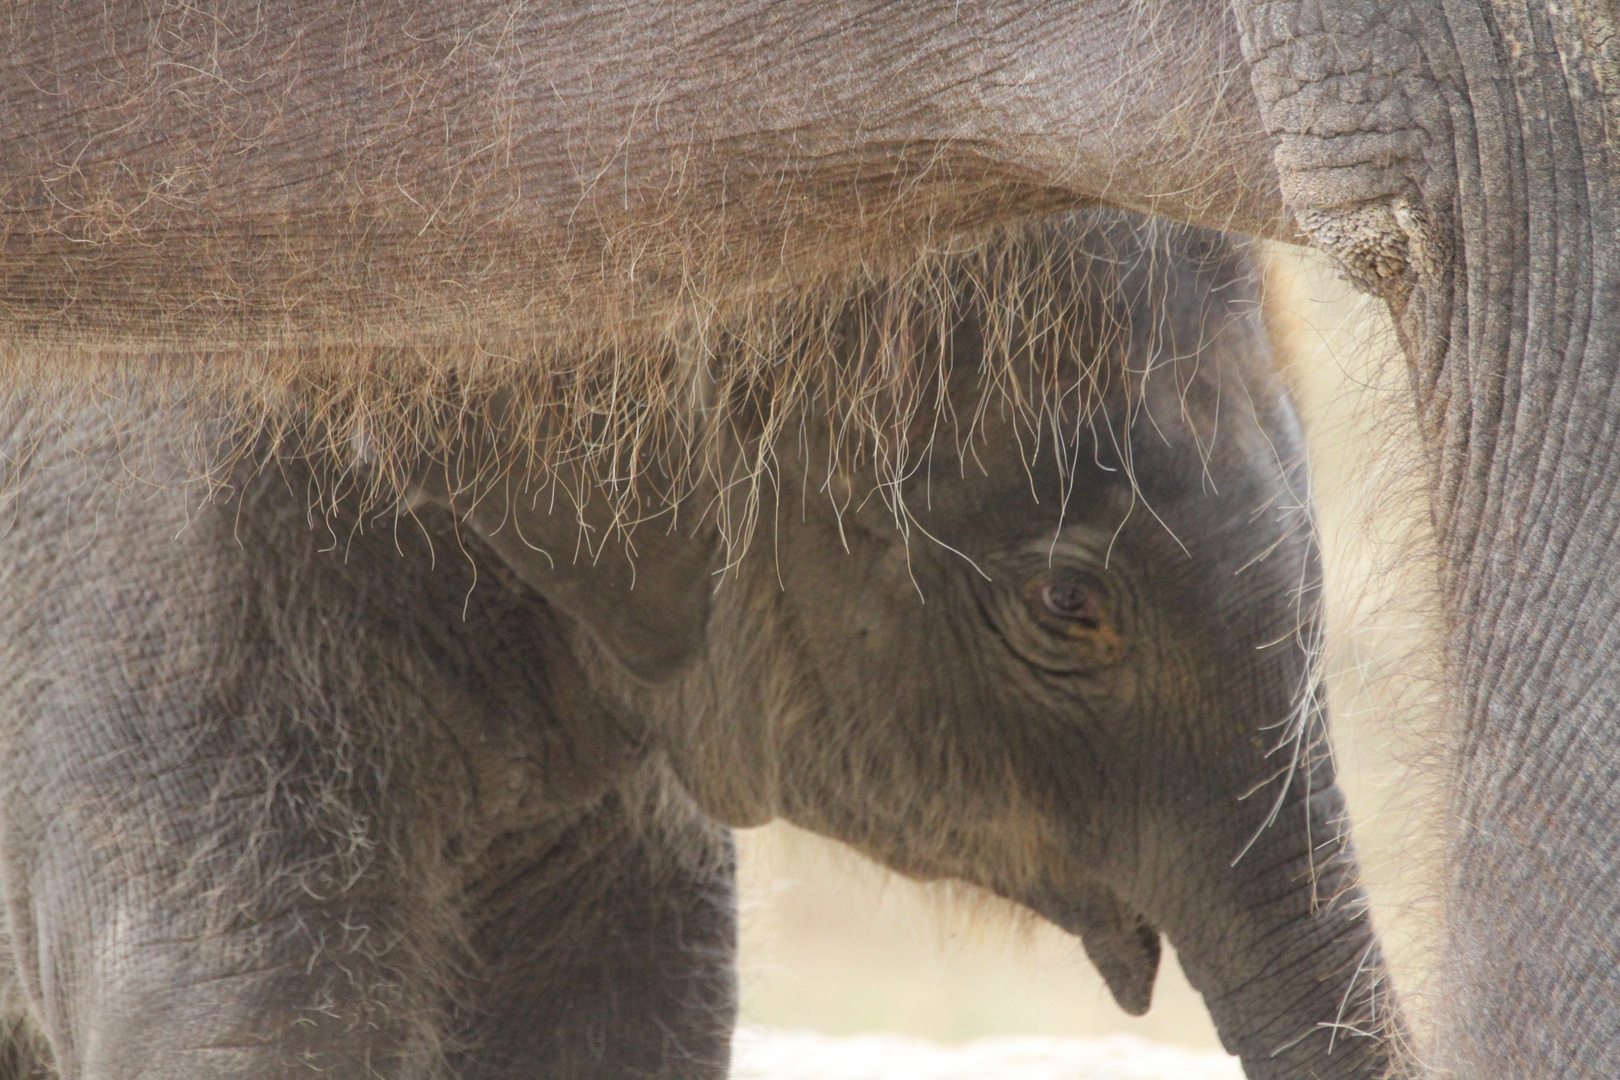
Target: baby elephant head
{"x":1061,"y":647}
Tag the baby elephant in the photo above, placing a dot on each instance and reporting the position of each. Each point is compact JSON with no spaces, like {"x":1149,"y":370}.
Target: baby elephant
{"x":426,"y":795}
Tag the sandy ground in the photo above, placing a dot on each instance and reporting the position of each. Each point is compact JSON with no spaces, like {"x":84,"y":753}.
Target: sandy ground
{"x":804,"y":1055}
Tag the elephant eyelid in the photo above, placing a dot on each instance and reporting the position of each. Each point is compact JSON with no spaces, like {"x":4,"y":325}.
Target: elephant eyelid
{"x":1076,"y":546}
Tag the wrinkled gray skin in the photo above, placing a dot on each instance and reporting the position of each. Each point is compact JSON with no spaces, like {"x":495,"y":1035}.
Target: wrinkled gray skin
{"x":277,"y":808}
{"x":286,"y":793}
{"x":226,"y":175}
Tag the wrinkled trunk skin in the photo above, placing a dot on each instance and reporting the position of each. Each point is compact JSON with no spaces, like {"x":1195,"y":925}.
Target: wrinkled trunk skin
{"x":1277,"y":939}
{"x":1487,"y":211}
{"x":1283,"y":951}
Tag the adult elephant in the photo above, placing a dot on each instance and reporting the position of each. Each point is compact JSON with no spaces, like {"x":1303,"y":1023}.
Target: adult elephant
{"x":340,"y":191}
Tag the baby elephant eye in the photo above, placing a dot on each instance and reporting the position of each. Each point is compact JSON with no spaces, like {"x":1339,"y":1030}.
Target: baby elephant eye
{"x":1063,"y":596}
{"x":1070,"y":624}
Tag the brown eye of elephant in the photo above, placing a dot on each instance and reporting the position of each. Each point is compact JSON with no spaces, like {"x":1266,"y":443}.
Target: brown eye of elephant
{"x":1070,"y":600}
{"x":1065,"y":602}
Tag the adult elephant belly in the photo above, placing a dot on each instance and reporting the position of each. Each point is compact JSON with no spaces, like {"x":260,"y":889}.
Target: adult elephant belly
{"x":309,"y":174}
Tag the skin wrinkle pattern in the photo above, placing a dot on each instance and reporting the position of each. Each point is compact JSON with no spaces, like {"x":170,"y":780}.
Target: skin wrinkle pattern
{"x":584,"y":205}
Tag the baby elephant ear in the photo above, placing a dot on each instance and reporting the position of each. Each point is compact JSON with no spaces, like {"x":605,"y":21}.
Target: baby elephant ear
{"x":646,"y":602}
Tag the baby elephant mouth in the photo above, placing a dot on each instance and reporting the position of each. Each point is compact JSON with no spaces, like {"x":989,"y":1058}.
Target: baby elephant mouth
{"x":1122,"y":943}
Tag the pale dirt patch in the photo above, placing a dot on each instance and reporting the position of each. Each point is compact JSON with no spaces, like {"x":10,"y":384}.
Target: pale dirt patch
{"x":762,"y":1054}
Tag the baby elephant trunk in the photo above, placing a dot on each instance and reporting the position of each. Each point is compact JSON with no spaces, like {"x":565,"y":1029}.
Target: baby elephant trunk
{"x":1271,"y":928}
{"x":1280,"y":944}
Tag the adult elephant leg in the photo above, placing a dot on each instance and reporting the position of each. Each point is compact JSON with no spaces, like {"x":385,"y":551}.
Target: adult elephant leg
{"x":23,"y":1053}
{"x":1463,"y":160}
{"x":609,"y":950}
